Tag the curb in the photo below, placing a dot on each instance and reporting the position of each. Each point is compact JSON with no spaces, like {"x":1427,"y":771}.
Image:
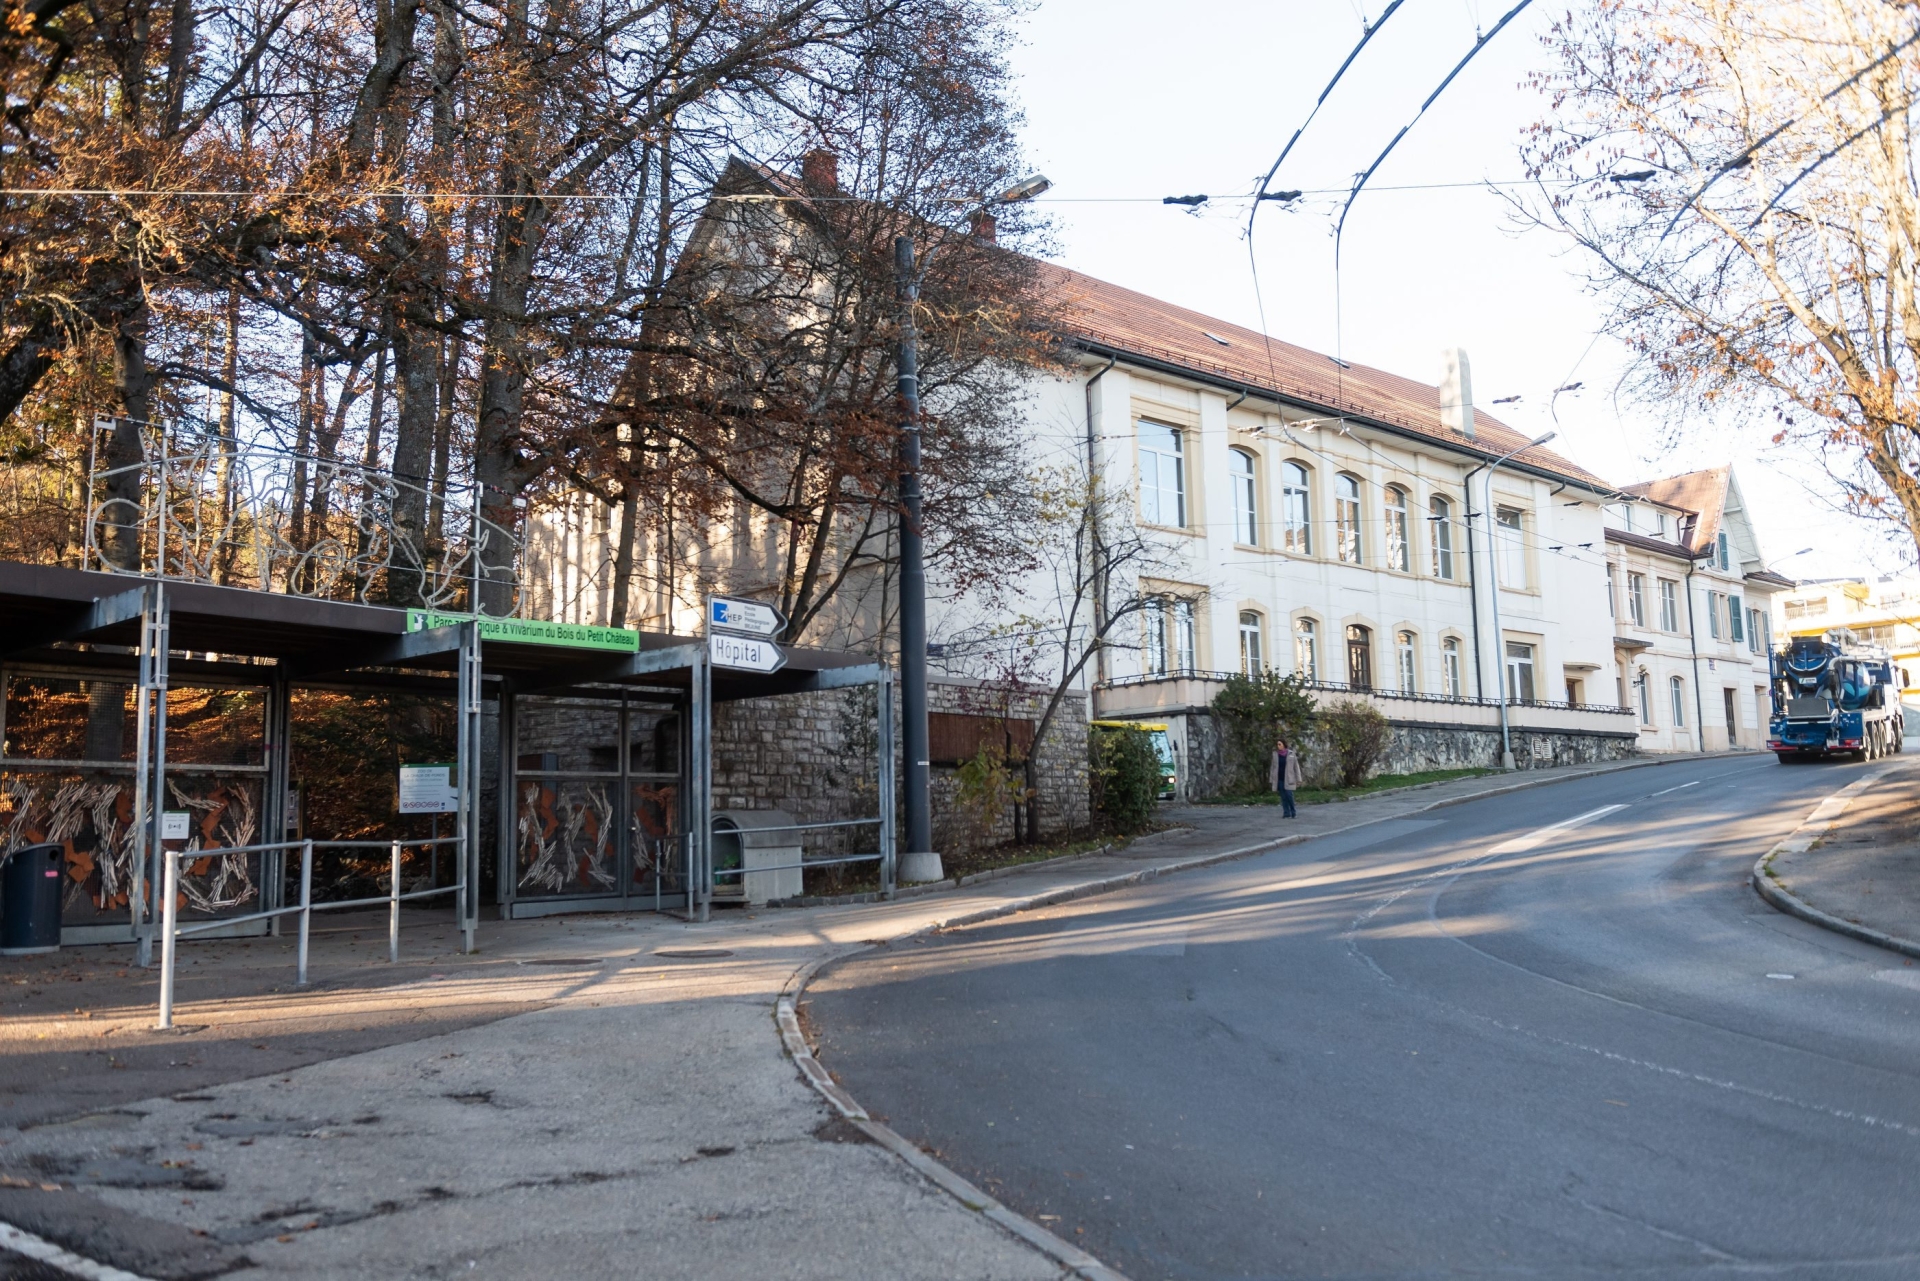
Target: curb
{"x":1077,"y":1261}
{"x":1825,"y":818}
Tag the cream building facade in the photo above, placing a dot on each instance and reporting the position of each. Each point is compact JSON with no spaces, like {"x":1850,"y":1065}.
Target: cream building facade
{"x":1692,"y":604}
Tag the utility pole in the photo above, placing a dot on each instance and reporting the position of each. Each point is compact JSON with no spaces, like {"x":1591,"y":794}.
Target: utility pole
{"x":919,"y":862}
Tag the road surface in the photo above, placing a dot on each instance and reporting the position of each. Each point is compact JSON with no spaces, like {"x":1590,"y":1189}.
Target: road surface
{"x":1552,"y":1034}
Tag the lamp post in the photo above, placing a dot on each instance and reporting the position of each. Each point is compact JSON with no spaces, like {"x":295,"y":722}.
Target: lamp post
{"x":919,"y":862}
{"x":1499,"y":637}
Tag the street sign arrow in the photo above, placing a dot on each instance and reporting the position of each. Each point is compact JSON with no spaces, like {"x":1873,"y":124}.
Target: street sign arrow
{"x":744,"y":617}
{"x":745,"y":654}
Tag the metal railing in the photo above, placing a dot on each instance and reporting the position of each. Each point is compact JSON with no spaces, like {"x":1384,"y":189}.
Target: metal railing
{"x":1371,"y":691}
{"x":884,"y":857}
{"x":171,"y":931}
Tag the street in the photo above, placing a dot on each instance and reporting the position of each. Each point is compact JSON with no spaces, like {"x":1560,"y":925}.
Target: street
{"x":1549,"y":1034}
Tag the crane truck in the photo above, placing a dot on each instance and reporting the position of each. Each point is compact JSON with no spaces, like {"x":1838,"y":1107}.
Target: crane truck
{"x":1833,"y":695}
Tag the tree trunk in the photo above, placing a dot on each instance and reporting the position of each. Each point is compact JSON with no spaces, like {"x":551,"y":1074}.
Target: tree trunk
{"x":223,"y":475}
{"x":416,"y":376}
{"x":623,"y":558}
{"x":126,"y":449}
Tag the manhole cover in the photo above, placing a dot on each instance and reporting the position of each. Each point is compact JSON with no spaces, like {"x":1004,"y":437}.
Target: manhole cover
{"x":692,"y":953}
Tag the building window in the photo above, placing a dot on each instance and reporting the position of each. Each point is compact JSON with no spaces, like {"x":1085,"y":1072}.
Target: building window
{"x":1811,"y":608}
{"x":1163,"y":480}
{"x":1678,"y":691}
{"x":1184,"y":648}
{"x":1753,"y":630}
{"x":1403,"y":650}
{"x":1346,"y":519}
{"x":1399,"y":556}
{"x":1669,"y":605}
{"x":1643,"y":698}
{"x":1306,"y":650}
{"x":1637,"y":599}
{"x":1246,"y":508}
{"x":1441,"y":518}
{"x":1296,"y":510}
{"x":1450,"y":668}
{"x":1513,"y":550}
{"x":1153,"y":626}
{"x":1713,"y":614}
{"x":1519,"y":672}
{"x":1359,"y":657}
{"x":1736,"y":620}
{"x":1660,"y":524}
{"x":1610,"y":592}
{"x":1250,"y":649}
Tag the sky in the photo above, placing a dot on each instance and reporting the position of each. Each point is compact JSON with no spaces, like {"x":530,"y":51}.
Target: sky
{"x":1128,"y":101}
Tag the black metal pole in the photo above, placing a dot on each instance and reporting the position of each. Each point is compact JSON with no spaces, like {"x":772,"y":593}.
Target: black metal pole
{"x":919,"y":861}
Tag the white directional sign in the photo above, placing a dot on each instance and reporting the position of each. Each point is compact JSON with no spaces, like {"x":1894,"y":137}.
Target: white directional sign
{"x":746,"y":617}
{"x":176,"y":825}
{"x":745,"y":653}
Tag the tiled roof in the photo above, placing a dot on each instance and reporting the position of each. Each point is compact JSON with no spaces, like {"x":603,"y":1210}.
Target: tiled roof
{"x":1703,"y":493}
{"x":1131,"y":323}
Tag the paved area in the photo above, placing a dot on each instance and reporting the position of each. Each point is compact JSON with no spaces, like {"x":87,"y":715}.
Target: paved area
{"x":567,"y":1102}
{"x":1868,"y":870}
{"x":1553,"y":1035}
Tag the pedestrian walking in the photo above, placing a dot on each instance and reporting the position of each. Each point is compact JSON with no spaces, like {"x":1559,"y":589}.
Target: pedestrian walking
{"x":1283,"y":775}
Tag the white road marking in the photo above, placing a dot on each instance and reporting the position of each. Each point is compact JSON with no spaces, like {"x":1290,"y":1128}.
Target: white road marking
{"x":1900,"y":978}
{"x":1779,"y":976}
{"x":1540,"y":836}
{"x":1695,"y":783}
{"x":23,"y":1242}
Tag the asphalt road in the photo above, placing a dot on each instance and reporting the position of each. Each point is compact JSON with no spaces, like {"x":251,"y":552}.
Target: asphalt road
{"x":1552,"y":1034}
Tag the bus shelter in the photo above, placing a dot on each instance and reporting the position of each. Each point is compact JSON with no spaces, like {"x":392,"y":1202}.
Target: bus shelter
{"x":147,"y":718}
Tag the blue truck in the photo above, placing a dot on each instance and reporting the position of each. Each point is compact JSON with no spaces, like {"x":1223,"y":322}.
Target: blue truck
{"x":1833,"y":695}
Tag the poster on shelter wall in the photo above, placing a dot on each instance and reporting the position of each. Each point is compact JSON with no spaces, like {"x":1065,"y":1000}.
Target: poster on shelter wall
{"x":428,"y":789}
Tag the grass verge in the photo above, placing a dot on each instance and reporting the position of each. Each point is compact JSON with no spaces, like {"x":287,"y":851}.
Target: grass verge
{"x":1321,"y":795}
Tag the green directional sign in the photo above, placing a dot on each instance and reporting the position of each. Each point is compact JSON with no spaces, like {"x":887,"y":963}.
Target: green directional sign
{"x":533,"y":631}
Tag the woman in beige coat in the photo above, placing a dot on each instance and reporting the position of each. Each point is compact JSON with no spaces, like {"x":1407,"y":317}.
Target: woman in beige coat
{"x":1283,"y":775}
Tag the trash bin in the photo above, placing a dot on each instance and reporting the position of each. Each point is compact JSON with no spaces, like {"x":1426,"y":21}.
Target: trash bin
{"x":738,"y":846}
{"x":30,"y":900}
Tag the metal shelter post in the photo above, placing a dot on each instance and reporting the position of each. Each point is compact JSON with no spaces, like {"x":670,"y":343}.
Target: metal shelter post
{"x":884,"y":710}
{"x":700,"y":784}
{"x":150,"y":765}
{"x":273,"y":818}
{"x":467,"y":765}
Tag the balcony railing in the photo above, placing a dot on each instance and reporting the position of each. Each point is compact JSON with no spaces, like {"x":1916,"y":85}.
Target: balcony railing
{"x":1343,"y":687}
{"x":204,"y":507}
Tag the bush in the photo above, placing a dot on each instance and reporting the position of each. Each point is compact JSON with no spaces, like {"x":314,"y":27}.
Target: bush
{"x":1357,"y":734}
{"x":1253,"y":711}
{"x":1125,"y":776}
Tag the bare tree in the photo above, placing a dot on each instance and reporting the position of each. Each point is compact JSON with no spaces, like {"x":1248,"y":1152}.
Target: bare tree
{"x":1741,"y":177}
{"x":1095,"y":581}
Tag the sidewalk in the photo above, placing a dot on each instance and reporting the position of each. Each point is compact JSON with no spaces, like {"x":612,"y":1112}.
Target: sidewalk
{"x":573,"y":1092}
{"x":1861,"y":867}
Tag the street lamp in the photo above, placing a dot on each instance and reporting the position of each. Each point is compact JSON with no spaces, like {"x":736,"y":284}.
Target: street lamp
{"x":920,"y":862}
{"x":1784,"y":559}
{"x":1499,"y":637}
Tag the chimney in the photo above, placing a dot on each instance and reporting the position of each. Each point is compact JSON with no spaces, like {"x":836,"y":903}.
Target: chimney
{"x":985,"y":226}
{"x":820,"y":172}
{"x":1456,"y":392}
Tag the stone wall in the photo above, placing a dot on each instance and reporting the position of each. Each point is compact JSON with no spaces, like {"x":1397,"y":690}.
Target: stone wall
{"x":812,"y":755}
{"x":1415,"y":747}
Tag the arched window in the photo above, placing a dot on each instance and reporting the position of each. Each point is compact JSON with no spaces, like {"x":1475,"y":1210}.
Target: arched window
{"x":1251,"y":650}
{"x":1296,"y":510}
{"x":1246,"y":508}
{"x":1346,"y":519}
{"x":1399,"y":555}
{"x":1440,"y":516}
{"x":1450,"y":681}
{"x":1678,"y":690}
{"x":1403,"y":647}
{"x":1359,"y":657}
{"x":1306,"y":650}
{"x":1163,"y":476}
